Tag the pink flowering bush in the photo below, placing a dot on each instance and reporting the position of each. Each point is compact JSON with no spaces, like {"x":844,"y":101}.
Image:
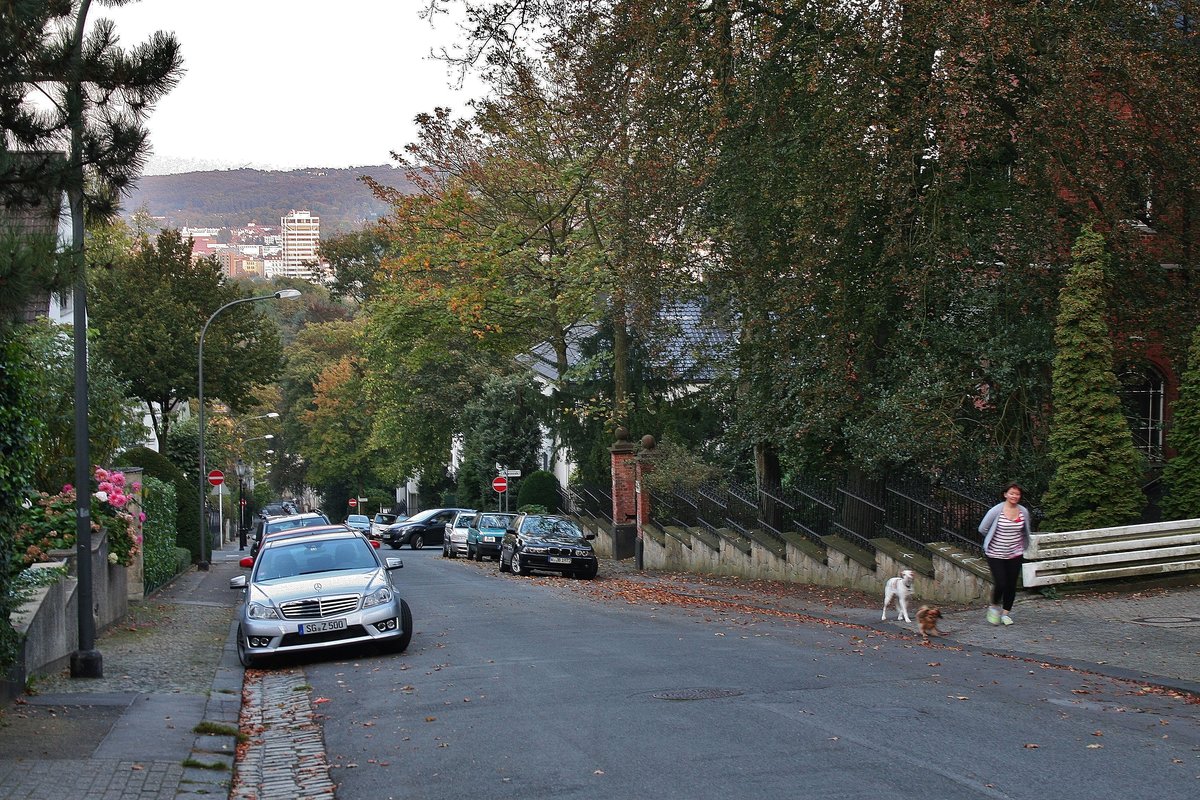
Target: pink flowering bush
{"x":48,"y":522}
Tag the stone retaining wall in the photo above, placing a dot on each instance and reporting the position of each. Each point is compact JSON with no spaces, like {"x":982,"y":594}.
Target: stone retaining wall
{"x":48,"y":623}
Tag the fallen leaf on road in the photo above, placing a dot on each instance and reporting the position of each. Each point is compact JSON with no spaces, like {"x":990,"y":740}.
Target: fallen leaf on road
{"x":1032,"y":746}
{"x":431,"y":719}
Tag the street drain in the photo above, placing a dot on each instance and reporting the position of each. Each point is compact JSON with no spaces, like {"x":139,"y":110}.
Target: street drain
{"x":695,"y":694}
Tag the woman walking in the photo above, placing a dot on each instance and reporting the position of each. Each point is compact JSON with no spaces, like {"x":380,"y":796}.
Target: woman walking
{"x":1006,"y":533}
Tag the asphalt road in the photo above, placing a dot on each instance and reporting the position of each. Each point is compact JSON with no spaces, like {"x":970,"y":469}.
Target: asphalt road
{"x":518,"y":687}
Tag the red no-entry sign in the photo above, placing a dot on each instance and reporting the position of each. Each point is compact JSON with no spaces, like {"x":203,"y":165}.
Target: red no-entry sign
{"x":216,"y":477}
{"x":353,"y":502}
{"x":500,"y":484}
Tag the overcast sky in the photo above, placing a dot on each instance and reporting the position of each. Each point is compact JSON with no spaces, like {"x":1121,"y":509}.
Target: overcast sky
{"x":282,"y":84}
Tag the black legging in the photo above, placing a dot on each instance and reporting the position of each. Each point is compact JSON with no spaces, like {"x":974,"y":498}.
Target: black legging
{"x":1005,"y":572}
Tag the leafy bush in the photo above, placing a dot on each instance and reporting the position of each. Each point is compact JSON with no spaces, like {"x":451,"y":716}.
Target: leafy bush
{"x":540,"y":488}
{"x":49,"y":522}
{"x":20,"y":425}
{"x":675,"y":467}
{"x":187,"y":494}
{"x":158,"y":533}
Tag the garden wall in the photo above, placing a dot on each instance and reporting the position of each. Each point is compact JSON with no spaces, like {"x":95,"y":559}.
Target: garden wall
{"x":48,"y":623}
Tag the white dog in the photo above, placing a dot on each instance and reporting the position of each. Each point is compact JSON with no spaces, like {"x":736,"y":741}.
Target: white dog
{"x":900,"y":588}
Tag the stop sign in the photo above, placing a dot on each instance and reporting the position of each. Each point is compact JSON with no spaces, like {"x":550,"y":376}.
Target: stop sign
{"x":216,"y":477}
{"x":500,"y":484}
{"x":353,"y":502}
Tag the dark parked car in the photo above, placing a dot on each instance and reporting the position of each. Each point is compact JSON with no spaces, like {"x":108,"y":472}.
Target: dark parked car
{"x":426,"y":527}
{"x":549,"y":543}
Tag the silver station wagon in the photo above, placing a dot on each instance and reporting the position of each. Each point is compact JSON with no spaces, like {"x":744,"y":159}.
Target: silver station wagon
{"x":313,"y":590}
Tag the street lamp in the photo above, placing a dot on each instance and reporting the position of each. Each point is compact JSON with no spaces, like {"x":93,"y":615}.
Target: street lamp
{"x":280,"y":295}
{"x":242,"y":469}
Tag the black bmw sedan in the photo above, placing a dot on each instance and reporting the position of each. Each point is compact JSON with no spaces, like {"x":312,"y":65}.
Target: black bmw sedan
{"x":549,"y":543}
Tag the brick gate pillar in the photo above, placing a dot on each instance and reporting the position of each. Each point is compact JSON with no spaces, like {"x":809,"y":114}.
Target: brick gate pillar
{"x":624,"y":494}
{"x":644,"y":467}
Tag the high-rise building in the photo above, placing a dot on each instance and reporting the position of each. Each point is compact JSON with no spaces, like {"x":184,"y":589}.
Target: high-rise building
{"x":301,"y":236}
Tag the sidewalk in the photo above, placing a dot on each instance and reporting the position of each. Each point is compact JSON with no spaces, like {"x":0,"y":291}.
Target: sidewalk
{"x":1141,"y":632}
{"x":167,"y":668}
{"x":133,"y":733}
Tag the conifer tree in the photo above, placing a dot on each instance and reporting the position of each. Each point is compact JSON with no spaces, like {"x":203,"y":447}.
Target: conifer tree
{"x":1096,"y":466}
{"x":1181,"y":477}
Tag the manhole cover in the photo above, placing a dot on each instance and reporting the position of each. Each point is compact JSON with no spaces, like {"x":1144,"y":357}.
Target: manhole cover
{"x":1168,"y":621}
{"x":695,"y":694}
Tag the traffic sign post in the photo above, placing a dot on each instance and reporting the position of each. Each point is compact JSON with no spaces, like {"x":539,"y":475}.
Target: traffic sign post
{"x":500,"y":486}
{"x":216,"y":477}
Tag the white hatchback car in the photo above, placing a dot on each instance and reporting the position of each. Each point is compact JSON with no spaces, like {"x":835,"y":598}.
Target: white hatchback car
{"x":454,"y":543}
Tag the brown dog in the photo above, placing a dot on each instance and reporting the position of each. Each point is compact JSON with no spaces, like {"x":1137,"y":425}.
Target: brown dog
{"x":927,"y":619}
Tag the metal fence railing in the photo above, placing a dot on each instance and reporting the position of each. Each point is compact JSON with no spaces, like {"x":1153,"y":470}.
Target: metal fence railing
{"x":910,"y":511}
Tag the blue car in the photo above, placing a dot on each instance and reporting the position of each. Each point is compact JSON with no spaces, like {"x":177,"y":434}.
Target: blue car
{"x":485,"y":533}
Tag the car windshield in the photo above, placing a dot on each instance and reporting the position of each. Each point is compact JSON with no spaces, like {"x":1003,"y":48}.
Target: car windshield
{"x":303,"y":558}
{"x":495,"y":520}
{"x":464,"y":520}
{"x":359,"y":518}
{"x":385,"y":519}
{"x":421,"y":516}
{"x":551,"y":526}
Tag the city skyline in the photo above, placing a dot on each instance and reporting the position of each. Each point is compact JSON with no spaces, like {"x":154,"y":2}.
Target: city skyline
{"x":280,"y":86}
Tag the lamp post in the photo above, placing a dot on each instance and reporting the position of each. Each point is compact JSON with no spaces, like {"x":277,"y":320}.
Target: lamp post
{"x":280,"y":295}
{"x":242,"y":469}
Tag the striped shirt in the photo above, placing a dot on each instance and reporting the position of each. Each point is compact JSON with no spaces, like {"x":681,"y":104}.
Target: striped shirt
{"x":1009,"y":539}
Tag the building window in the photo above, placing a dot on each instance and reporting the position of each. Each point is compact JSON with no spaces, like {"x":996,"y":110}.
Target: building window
{"x":1142,"y":397}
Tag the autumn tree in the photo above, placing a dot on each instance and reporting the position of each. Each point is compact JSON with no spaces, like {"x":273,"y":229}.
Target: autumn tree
{"x":1097,"y":470}
{"x":149,"y":309}
{"x":501,"y":425}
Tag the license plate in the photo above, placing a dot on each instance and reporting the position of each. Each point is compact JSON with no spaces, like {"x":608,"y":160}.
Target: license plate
{"x":558,"y":560}
{"x":323,"y":626}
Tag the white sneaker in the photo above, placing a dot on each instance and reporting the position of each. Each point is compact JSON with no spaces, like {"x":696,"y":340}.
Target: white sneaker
{"x":1006,"y":619}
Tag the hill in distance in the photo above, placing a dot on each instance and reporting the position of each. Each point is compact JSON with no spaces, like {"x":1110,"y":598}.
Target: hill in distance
{"x":231,"y":198}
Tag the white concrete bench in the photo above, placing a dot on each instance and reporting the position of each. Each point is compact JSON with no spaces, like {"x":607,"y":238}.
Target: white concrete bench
{"x":1129,"y":551}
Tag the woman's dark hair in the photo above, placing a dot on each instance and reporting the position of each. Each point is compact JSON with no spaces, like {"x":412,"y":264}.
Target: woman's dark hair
{"x":1012,"y":485}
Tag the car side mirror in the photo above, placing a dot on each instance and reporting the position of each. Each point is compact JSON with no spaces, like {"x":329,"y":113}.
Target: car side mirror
{"x":237,"y":582}
{"x":394,"y":563}
{"x":589,"y":536}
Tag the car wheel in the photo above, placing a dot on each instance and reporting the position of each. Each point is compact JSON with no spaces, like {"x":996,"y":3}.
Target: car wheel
{"x":503,"y":567}
{"x":417,"y":542}
{"x":478,"y":554}
{"x":243,"y":651}
{"x":401,"y":644}
{"x":452,"y":551}
{"x":516,"y":564}
{"x":393,"y":545}
{"x":587,"y":574}
{"x":470,"y":552}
